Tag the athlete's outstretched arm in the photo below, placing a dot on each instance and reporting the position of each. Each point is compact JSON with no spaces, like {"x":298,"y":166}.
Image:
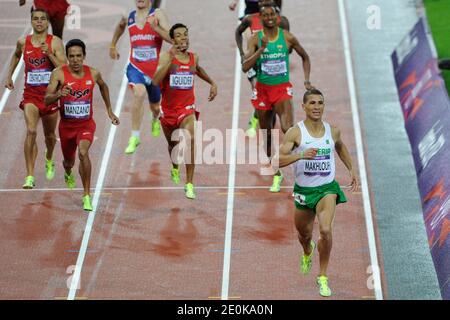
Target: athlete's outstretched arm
{"x":245,"y":23}
{"x":161,"y":25}
{"x":105,"y":95}
{"x":13,"y":63}
{"x":344,"y":155}
{"x":295,"y":44}
{"x":204,"y":76}
{"x":118,"y":32}
{"x":254,"y":52}
{"x":53,"y":94}
{"x":291,"y":139}
{"x":165,"y":61}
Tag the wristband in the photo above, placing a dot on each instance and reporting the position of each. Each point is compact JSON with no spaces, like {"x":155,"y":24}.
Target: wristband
{"x":301,"y":154}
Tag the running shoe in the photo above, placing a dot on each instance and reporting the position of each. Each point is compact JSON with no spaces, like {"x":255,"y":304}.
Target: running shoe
{"x":189,"y":191}
{"x":306,"y":260}
{"x":70,"y":180}
{"x":156,"y":128}
{"x":276,"y":185}
{"x":252,"y":126}
{"x":87,"y":205}
{"x":133,"y":143}
{"x":324,"y":289}
{"x":175,"y":174}
{"x":29,"y":182}
{"x":49,"y":167}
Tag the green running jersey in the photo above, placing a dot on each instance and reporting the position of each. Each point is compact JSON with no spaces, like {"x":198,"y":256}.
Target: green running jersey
{"x":273,"y":64}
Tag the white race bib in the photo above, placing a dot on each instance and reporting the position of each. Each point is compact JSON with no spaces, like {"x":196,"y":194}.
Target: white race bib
{"x":274,"y":67}
{"x":145,"y":53}
{"x":317,"y":167}
{"x":182,"y":81}
{"x":77,"y":110}
{"x":38,"y":78}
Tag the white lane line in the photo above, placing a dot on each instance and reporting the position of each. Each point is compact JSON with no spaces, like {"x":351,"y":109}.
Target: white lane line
{"x":98,"y":190}
{"x":360,"y":151}
{"x":232,"y":171}
{"x":7,"y":92}
{"x":143,"y":188}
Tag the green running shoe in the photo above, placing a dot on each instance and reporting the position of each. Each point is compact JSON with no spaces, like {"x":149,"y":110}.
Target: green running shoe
{"x":189,"y":191}
{"x":133,"y":143}
{"x":70,"y":180}
{"x":87,"y":205}
{"x":156,"y":128}
{"x":252,"y":126}
{"x":306,"y":260}
{"x":49,"y":168}
{"x":29,"y":183}
{"x":175,"y":174}
{"x":276,"y":185}
{"x":324,"y":289}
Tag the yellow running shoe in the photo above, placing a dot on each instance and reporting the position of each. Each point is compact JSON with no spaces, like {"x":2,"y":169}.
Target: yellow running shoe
{"x":324,"y":289}
{"x":49,"y":168}
{"x":189,"y":191}
{"x":156,"y":128}
{"x":276,"y":185}
{"x":87,"y":205}
{"x":133,"y":143}
{"x":306,"y":260}
{"x":252,"y":126}
{"x":175,"y":174}
{"x":70,"y":180}
{"x":29,"y":182}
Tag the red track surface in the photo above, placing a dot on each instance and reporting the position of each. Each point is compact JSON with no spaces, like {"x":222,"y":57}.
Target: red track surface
{"x":154,"y":243}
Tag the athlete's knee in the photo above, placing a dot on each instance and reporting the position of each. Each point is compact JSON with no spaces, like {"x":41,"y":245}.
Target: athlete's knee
{"x":139,"y":92}
{"x":32,"y":132}
{"x":83,"y":154}
{"x":325,"y":233}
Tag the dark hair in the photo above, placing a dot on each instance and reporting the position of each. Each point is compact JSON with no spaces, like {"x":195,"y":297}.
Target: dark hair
{"x":33,"y":10}
{"x":272,"y":5}
{"x":176,"y":26}
{"x":311,"y":92}
{"x":75,"y":43}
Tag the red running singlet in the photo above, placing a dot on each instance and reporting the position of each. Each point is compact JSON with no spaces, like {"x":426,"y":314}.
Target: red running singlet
{"x":177,"y":87}
{"x":76,"y":107}
{"x":38,"y":68}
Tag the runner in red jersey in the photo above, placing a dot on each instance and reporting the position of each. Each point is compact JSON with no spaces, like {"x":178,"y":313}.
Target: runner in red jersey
{"x":253,"y":22}
{"x":175,"y":74}
{"x":147,"y":28}
{"x":57,"y":10}
{"x":73,"y":86}
{"x":41,"y":53}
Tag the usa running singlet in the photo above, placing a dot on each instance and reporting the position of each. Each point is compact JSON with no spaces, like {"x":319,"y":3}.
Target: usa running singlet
{"x":178,"y":87}
{"x":77,"y":106}
{"x":38,"y":67}
{"x":145,"y":45}
{"x":321,"y":169}
{"x":273,"y":64}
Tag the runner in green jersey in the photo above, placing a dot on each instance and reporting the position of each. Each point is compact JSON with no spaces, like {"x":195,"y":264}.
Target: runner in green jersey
{"x":309,"y":146}
{"x":268,"y":52}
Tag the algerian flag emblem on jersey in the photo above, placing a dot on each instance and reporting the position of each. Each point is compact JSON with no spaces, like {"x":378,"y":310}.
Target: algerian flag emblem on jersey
{"x":327,"y":141}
